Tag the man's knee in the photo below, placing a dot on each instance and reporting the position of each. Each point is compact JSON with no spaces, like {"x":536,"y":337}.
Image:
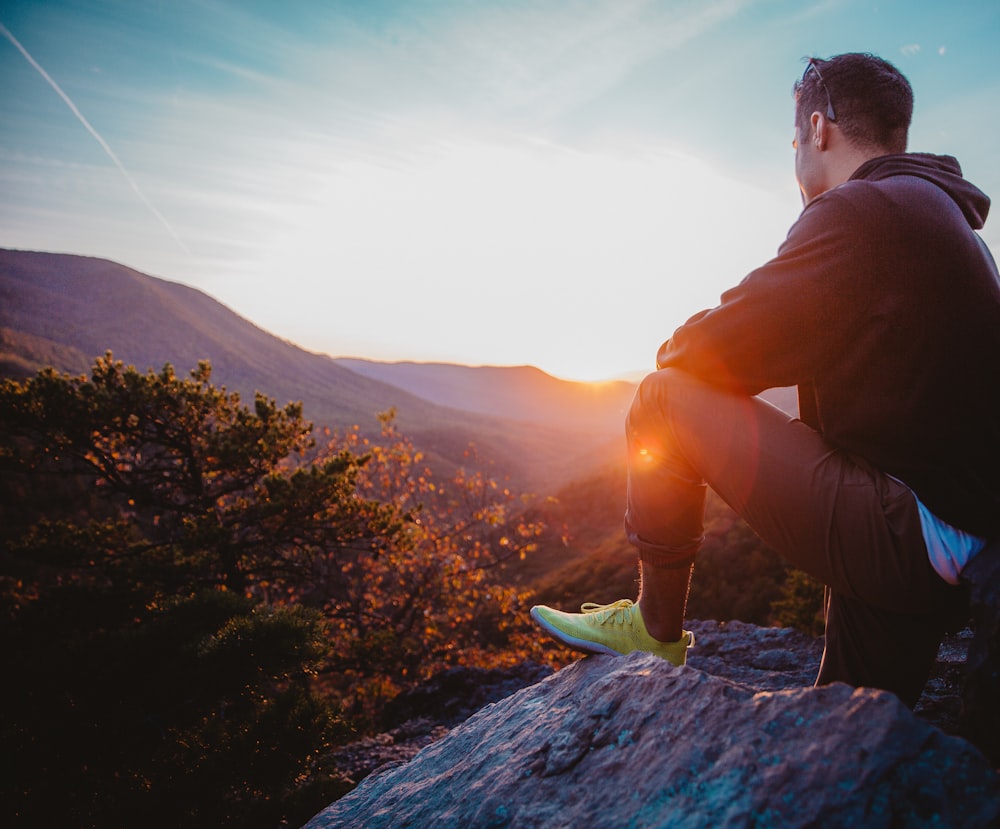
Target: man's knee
{"x":651,"y":404}
{"x":655,"y":387}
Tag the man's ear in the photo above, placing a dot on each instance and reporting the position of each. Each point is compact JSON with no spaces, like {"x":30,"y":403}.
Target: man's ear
{"x":819,"y":130}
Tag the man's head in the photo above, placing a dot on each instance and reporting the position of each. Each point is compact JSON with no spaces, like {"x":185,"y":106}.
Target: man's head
{"x":852,"y":107}
{"x":870,"y":100}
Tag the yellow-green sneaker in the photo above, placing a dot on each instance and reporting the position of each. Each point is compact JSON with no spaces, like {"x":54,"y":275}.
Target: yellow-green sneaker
{"x":615,"y":628}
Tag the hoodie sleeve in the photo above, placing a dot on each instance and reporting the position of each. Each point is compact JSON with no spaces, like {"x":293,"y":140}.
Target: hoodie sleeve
{"x":787,"y":319}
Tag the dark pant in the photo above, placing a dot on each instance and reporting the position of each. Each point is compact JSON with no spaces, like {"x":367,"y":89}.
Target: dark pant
{"x":828,"y":513}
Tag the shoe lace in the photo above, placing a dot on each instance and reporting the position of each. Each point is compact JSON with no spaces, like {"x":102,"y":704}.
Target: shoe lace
{"x":620,"y":611}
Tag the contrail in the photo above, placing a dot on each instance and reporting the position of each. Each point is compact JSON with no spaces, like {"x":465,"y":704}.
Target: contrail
{"x":104,"y":144}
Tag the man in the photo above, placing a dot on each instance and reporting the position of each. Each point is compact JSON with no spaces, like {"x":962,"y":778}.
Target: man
{"x":883,"y":307}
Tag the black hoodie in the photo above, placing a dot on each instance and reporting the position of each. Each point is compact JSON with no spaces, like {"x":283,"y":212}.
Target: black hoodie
{"x":883,"y":307}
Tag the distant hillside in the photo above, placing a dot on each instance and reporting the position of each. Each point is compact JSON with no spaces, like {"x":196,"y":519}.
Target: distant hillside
{"x":63,"y":311}
{"x":516,"y":392}
{"x":76,"y":308}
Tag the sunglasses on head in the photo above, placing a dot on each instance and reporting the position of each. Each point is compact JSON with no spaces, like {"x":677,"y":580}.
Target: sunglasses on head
{"x":813,"y":66}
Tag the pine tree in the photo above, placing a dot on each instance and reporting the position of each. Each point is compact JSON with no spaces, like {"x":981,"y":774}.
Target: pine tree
{"x":151,"y":666}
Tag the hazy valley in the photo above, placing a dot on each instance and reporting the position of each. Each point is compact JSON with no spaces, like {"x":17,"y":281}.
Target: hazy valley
{"x":538,"y":430}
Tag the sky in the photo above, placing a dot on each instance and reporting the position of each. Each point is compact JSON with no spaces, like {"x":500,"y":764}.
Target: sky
{"x":557,"y":184}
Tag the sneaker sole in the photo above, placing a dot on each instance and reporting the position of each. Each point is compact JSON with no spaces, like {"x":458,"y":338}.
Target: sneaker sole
{"x":584,"y":645}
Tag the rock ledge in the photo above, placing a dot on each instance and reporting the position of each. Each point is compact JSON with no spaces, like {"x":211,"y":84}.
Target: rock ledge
{"x":634,"y":741}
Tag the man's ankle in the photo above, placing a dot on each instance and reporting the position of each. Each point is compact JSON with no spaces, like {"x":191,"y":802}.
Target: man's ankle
{"x":663,"y":594}
{"x":660,"y":628}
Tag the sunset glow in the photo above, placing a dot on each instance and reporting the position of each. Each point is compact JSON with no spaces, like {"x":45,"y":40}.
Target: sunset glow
{"x":557,"y":185}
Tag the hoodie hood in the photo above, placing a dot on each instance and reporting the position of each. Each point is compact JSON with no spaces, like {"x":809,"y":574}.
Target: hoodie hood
{"x":941,"y":170}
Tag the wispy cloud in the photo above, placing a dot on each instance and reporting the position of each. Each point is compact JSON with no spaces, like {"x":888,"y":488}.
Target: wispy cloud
{"x":522,"y":64}
{"x":97,"y":136}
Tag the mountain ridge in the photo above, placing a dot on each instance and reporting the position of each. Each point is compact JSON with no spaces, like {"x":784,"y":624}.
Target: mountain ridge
{"x":515,"y":392}
{"x":64,"y":310}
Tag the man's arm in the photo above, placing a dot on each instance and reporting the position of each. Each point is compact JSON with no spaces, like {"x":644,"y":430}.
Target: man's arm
{"x":788,"y":318}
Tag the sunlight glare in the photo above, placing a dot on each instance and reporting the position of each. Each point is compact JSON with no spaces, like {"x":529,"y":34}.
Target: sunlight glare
{"x":581,"y":262}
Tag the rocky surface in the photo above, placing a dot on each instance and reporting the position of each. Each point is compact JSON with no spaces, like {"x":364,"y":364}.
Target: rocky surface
{"x":634,"y":741}
{"x":426,"y":714}
{"x":758,"y":659}
{"x":981,"y":696}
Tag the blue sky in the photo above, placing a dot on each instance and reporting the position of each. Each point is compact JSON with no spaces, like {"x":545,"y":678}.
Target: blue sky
{"x":550,"y":183}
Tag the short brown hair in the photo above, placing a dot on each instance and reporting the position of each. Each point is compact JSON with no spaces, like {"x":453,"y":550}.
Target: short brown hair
{"x":871,"y":99}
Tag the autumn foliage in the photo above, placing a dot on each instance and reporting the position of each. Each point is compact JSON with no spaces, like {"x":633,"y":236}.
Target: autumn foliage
{"x":428,"y":595}
{"x":199,"y":595}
